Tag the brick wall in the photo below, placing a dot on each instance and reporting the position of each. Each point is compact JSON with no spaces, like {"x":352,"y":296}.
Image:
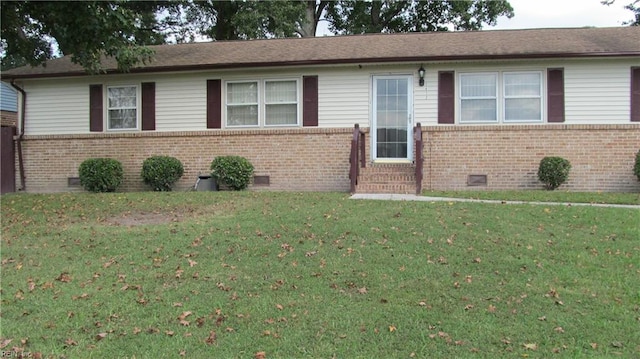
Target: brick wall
{"x":317,"y":159}
{"x":602,"y":156}
{"x":295,"y":160}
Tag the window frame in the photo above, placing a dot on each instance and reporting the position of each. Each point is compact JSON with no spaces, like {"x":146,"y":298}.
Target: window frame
{"x":138,"y":107}
{"x":227,"y":104}
{"x":262,"y":102}
{"x":540,"y":97}
{"x":500,"y":97}
{"x":495,"y":98}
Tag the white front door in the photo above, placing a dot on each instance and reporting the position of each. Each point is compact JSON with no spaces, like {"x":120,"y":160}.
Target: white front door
{"x":391,"y":123}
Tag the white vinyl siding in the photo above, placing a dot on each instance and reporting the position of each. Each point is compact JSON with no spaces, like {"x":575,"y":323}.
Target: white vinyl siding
{"x":343,"y":98}
{"x":597,"y":93}
{"x":180,"y":103}
{"x":57,"y":107}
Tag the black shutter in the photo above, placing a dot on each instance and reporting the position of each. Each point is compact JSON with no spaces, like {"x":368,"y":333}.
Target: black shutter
{"x":555,"y":95}
{"x":635,"y":94}
{"x":214,"y":104}
{"x":446,"y":97}
{"x":310,"y":101}
{"x":148,"y":106}
{"x":95,"y":108}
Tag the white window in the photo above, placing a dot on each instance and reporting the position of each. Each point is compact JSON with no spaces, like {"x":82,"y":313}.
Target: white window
{"x":262,"y":103}
{"x":242,"y":104}
{"x":522,"y":96}
{"x":281,"y":103}
{"x":122,"y":107}
{"x":478,"y":97}
{"x":504,"y":97}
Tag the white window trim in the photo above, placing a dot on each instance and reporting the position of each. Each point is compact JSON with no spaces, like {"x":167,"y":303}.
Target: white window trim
{"x":107,"y":108}
{"x":495,"y":98}
{"x":226,"y":103}
{"x":262,"y":102}
{"x":504,"y":97}
{"x":500,"y":97}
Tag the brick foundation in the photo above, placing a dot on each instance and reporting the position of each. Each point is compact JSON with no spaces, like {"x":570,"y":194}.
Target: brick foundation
{"x":602,"y":156}
{"x":294,"y":160}
{"x":317,"y":159}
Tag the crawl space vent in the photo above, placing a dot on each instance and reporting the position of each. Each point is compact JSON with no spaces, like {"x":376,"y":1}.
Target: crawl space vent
{"x":477,"y":180}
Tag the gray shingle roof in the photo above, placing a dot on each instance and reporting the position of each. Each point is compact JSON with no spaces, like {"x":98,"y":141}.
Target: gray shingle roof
{"x":372,"y":48}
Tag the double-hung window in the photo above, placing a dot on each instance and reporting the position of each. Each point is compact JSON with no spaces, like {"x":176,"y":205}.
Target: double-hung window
{"x":122,"y":107}
{"x":266,"y":103}
{"x":500,"y":97}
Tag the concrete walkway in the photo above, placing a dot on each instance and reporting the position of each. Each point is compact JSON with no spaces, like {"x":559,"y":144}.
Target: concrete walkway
{"x":412,"y":197}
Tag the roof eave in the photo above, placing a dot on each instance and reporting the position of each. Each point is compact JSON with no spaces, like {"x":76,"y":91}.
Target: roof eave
{"x":201,"y":67}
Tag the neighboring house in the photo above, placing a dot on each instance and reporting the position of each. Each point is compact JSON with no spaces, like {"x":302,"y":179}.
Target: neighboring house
{"x":491,"y":105}
{"x":8,"y":120}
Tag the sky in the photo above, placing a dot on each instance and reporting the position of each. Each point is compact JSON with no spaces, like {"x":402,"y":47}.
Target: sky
{"x":564,"y":13}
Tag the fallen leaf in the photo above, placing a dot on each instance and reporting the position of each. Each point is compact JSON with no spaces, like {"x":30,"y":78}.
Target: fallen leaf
{"x":531,"y":346}
{"x":169,"y":333}
{"x":260,"y":355}
{"x":558,"y":329}
{"x":491,"y":309}
{"x":211,"y":339}
{"x":64,"y":277}
{"x":101,"y":336}
{"x":392,"y":328}
{"x":184,"y":315}
{"x":362,"y":290}
{"x":5,"y":342}
{"x":192,"y":263}
{"x":594,"y":345}
{"x":279,"y":306}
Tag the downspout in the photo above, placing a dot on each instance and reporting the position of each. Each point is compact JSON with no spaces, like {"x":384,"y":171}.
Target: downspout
{"x":23,"y":106}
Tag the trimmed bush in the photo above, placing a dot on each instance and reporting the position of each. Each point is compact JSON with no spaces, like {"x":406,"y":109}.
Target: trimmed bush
{"x":553,"y":172}
{"x":101,"y":174}
{"x":161,"y":172}
{"x":636,"y":167}
{"x":232,"y":171}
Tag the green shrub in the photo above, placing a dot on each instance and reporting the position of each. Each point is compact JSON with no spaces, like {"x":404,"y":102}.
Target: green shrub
{"x":232,"y":171}
{"x":101,"y":174}
{"x":553,"y":171}
{"x":161,"y":172}
{"x":636,"y":167}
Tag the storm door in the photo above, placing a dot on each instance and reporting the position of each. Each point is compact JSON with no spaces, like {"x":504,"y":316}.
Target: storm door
{"x":391,"y":123}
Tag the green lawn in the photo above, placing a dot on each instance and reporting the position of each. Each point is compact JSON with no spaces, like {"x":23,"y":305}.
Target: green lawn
{"x":315,"y":275}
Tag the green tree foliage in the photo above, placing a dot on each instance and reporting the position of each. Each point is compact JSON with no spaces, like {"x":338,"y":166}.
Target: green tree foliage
{"x":359,"y":17}
{"x":32,"y":31}
{"x":633,"y":6}
{"x":35,"y":31}
{"x":242,"y":20}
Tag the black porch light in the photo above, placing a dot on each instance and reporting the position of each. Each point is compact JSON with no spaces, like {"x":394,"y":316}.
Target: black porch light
{"x":421,"y":72}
